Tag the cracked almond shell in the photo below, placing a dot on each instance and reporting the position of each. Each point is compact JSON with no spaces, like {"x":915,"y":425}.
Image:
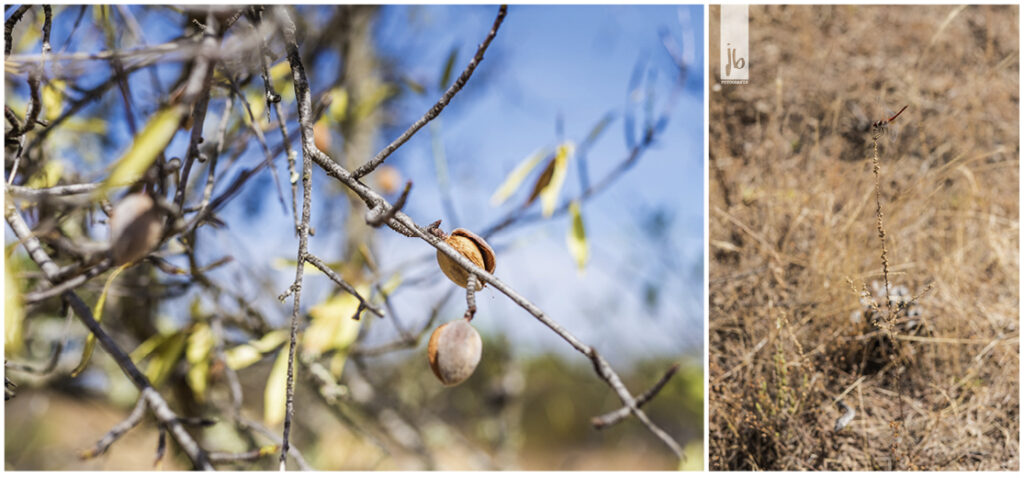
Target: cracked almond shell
{"x":474,"y":248}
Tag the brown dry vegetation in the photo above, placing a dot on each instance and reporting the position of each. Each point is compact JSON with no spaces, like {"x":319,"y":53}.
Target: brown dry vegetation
{"x":792,"y":217}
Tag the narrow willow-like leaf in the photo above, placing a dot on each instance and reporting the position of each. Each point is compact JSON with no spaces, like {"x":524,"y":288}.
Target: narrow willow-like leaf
{"x":446,"y":73}
{"x":577,"y":237}
{"x":53,"y":99}
{"x":197,"y":353}
{"x":97,"y":313}
{"x":516,"y":177}
{"x":14,"y":310}
{"x":338,"y":108}
{"x":147,"y":145}
{"x":549,"y":194}
{"x":245,"y":355}
{"x":274,"y":392}
{"x":166,"y":358}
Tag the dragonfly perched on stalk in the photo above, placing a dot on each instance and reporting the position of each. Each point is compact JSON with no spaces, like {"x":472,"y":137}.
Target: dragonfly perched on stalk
{"x":880,"y":127}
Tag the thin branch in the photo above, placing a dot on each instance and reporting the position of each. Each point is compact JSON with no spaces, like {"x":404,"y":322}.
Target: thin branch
{"x":197,"y":93}
{"x":47,"y":24}
{"x":378,"y":216}
{"x":441,"y":103}
{"x":288,"y":29}
{"x":43,"y":193}
{"x":9,"y":27}
{"x":116,"y":432}
{"x":262,"y":430}
{"x":363,"y":303}
{"x":616,"y":416}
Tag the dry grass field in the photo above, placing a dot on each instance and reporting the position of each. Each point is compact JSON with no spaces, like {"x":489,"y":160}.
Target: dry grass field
{"x":794,"y":241}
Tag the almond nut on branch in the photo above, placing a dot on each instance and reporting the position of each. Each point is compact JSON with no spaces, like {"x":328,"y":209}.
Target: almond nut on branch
{"x":468,"y":244}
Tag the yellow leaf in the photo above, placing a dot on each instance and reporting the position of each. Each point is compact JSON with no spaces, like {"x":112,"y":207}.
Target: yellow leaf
{"x":274,"y":395}
{"x":48,"y":176}
{"x":516,"y":177}
{"x":146,"y":348}
{"x":53,"y":99}
{"x":97,"y":313}
{"x":147,"y":145}
{"x":247,"y":354}
{"x":86,"y":125}
{"x":14,"y":312}
{"x":392,"y":283}
{"x":270,"y":341}
{"x":167,"y":355}
{"x":370,"y":102}
{"x":198,"y":378}
{"x":577,"y":238}
{"x":339,"y":105}
{"x":242,"y":356}
{"x":281,"y":263}
{"x":280,"y":77}
{"x":549,"y":194}
{"x":200,"y":343}
{"x":332,"y":327}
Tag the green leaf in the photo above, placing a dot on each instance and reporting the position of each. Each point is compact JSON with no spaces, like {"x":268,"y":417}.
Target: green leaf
{"x":446,"y":73}
{"x":549,"y":193}
{"x":147,"y":145}
{"x":516,"y":177}
{"x":274,"y":395}
{"x":97,"y":313}
{"x":414,"y":85}
{"x":577,"y":238}
{"x":599,"y":128}
{"x":14,"y":310}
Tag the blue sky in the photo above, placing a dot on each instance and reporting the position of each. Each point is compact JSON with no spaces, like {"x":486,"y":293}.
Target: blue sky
{"x":547,"y":61}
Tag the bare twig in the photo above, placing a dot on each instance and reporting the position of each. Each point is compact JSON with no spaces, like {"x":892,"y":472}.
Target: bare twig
{"x":9,"y":27}
{"x":441,"y":103}
{"x":378,"y":216}
{"x":197,"y":93}
{"x":616,"y":416}
{"x":308,"y":149}
{"x":363,"y":303}
{"x":116,"y":432}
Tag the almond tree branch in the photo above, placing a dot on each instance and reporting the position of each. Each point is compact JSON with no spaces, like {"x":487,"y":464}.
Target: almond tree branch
{"x":403,"y":224}
{"x":165,"y":416}
{"x":616,"y":416}
{"x":435,"y":110}
{"x":121,"y":428}
{"x":363,"y":303}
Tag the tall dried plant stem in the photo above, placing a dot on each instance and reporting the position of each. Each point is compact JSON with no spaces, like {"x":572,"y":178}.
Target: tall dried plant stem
{"x":890,"y":316}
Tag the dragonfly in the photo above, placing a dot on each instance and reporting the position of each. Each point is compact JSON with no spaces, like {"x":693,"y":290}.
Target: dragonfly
{"x":882,"y":126}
